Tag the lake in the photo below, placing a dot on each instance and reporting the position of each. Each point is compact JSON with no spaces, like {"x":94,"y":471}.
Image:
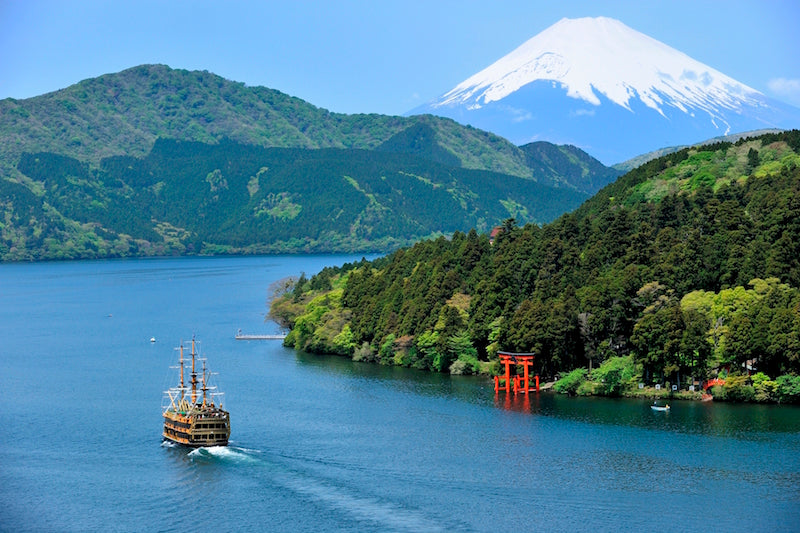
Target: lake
{"x":324,"y":444}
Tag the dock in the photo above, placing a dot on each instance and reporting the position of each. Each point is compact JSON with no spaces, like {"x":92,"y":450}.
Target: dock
{"x":246,"y":337}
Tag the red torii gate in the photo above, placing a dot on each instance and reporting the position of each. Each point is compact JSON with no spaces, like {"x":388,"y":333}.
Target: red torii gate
{"x":520,"y":385}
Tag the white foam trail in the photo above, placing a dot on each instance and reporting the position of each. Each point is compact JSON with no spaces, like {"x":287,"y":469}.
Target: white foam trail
{"x":226,"y":453}
{"x":386,"y":515}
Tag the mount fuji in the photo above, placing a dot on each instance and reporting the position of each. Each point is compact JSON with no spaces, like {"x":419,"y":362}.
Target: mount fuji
{"x":610,"y":90}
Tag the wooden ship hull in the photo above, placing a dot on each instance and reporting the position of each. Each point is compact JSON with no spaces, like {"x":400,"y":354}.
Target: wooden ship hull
{"x":206,"y":428}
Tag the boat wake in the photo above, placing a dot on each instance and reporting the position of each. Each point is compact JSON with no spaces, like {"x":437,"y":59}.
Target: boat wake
{"x":385,"y":515}
{"x":224,"y":453}
{"x":327,"y":493}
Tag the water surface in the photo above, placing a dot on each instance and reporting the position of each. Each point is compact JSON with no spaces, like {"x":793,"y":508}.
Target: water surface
{"x":325,"y":444}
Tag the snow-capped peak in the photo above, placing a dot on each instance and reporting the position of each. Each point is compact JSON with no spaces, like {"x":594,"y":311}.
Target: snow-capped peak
{"x":591,"y":56}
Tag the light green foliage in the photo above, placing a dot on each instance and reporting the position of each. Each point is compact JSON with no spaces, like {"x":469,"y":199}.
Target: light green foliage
{"x":788,"y":162}
{"x":731,"y":313}
{"x":788,"y":388}
{"x":569,"y":383}
{"x":279,"y":206}
{"x":253,"y":183}
{"x":322,"y":326}
{"x":614,"y":376}
{"x":466,"y":355}
{"x":343,"y":341}
{"x":716,"y":168}
{"x":386,"y":352}
{"x":514,"y":209}
{"x":738,"y":389}
{"x":427,"y":348}
{"x":765,"y":389}
{"x":216,"y":180}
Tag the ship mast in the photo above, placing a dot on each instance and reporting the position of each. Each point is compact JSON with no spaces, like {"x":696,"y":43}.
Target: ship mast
{"x":194,"y":376}
{"x":182,"y":388}
{"x":204,"y":388}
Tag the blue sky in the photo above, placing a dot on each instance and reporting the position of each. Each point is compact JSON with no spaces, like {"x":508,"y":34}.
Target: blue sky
{"x":368,"y":56}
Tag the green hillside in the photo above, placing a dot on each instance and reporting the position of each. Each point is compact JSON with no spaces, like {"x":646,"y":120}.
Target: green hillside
{"x":685,"y":268}
{"x":124,"y":113}
{"x":154,"y":160}
{"x":194,"y":198}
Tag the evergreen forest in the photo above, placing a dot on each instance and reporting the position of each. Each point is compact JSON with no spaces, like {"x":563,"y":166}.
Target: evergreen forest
{"x":684,"y":270}
{"x":229,"y":198}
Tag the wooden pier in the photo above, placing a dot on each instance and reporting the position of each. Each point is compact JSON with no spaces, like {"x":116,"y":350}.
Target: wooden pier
{"x":245,"y":337}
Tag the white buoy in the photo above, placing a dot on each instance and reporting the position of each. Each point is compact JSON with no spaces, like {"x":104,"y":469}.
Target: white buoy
{"x":152,"y":339}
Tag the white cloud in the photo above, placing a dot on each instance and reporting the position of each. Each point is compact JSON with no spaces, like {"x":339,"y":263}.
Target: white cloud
{"x":786,"y":90}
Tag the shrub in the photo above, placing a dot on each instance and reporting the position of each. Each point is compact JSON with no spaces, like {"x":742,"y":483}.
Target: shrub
{"x":737,"y":389}
{"x":459,"y":367}
{"x":466,"y":364}
{"x":765,"y":389}
{"x":718,"y":392}
{"x":386,"y":352}
{"x":587,"y":388}
{"x":613,"y":375}
{"x":569,"y":383}
{"x":788,"y":389}
{"x":364,"y":353}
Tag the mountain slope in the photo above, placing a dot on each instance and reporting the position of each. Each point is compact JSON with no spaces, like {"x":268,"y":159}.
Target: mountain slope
{"x":612,"y":91}
{"x":568,"y":165}
{"x":124,"y":113}
{"x":74,"y":172}
{"x":193,"y":198}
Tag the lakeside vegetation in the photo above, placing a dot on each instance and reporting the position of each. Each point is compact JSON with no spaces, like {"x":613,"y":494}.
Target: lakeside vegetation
{"x":685,"y":269}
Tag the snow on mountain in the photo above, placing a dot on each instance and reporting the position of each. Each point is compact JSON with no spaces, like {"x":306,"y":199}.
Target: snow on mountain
{"x":611,"y":90}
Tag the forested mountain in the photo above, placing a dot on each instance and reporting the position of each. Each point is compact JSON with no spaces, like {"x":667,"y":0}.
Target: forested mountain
{"x":227,"y":197}
{"x":688,"y":266}
{"x":66,"y":186}
{"x":568,"y":165}
{"x":124,"y":113}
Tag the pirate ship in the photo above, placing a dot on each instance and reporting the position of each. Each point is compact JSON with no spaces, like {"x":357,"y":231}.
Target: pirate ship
{"x":192,"y":417}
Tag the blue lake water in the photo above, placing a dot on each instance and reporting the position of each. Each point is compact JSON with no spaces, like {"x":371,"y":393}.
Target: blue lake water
{"x":325,"y":444}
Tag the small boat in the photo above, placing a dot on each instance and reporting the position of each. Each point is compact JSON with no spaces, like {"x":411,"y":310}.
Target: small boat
{"x":191,"y":417}
{"x":655,"y":407}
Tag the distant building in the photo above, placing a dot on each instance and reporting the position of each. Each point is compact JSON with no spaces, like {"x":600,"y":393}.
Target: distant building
{"x":495,"y":232}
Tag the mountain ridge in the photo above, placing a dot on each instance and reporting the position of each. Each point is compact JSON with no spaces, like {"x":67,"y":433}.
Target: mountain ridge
{"x":123,"y":113}
{"x":74,"y":173}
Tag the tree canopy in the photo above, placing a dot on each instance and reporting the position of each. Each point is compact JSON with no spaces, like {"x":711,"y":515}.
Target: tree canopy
{"x":689,"y":264}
